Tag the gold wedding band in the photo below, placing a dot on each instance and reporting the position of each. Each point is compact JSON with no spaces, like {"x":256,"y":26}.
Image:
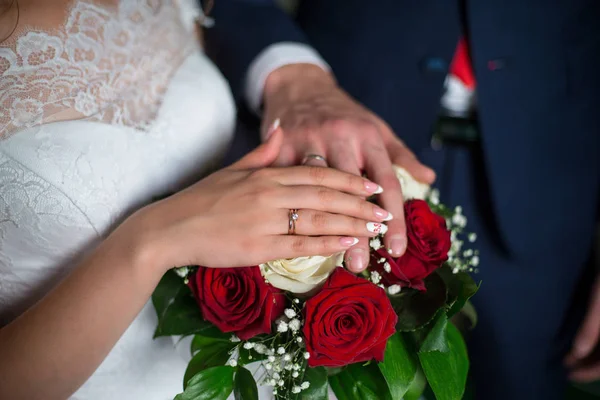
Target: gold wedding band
{"x":317,"y":157}
{"x":292,"y":218}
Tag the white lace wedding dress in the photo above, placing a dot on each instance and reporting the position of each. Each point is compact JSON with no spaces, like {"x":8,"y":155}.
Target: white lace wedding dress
{"x":97,"y":118}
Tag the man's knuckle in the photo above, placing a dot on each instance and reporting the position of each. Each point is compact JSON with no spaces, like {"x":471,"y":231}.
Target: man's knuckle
{"x":390,"y":181}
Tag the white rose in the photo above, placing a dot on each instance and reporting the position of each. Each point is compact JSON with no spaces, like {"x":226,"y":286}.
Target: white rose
{"x":301,"y":274}
{"x":411,"y":188}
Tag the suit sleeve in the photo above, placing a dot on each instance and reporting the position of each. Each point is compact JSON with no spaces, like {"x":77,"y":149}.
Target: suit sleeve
{"x":254,"y":37}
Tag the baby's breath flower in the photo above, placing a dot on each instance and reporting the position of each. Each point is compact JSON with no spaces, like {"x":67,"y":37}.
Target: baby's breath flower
{"x":232,"y":363}
{"x":294,"y":325}
{"x":306,"y":355}
{"x":248,"y":345}
{"x":472,"y":237}
{"x":296,"y":389}
{"x":387,"y":267}
{"x":182,"y":271}
{"x":375,"y":243}
{"x":281,"y":350}
{"x":260,"y":348}
{"x":287,"y":357}
{"x":305,"y":385}
{"x":295,"y":374}
{"x":234,"y":339}
{"x":299,"y":339}
{"x":375,"y":277}
{"x":269,"y":366}
{"x":394,"y":289}
{"x":271,"y":358}
{"x":475,"y":261}
{"x":282,"y":327}
{"x":290,"y":313}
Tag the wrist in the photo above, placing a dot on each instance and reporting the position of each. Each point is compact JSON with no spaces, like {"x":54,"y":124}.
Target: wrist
{"x":295,"y":80}
{"x":137,"y":242}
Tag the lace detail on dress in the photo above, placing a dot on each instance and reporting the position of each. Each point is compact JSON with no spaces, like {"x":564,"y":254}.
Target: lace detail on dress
{"x":30,"y":205}
{"x":109,"y":65}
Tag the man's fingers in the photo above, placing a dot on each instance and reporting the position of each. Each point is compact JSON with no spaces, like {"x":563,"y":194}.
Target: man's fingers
{"x":586,"y":374}
{"x":589,"y":333}
{"x":379,"y":169}
{"x":343,"y":158}
{"x":402,"y":156}
{"x":357,"y":257}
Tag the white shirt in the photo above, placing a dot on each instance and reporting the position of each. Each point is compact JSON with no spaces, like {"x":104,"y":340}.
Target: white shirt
{"x":457,"y":96}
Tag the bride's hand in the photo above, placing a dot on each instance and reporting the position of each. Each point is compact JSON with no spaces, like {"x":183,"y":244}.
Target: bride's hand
{"x":239,"y":215}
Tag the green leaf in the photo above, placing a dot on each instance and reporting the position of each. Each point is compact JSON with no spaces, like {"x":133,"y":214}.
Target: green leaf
{"x":414,"y":308}
{"x":461,"y":287}
{"x":206,"y":340}
{"x":317,"y":377}
{"x":436,"y":335}
{"x":360,"y":382}
{"x":211,"y":384}
{"x":217,"y":354}
{"x":416,"y":389}
{"x":244,"y":385}
{"x":447,"y":372}
{"x":177,"y":310}
{"x":399,"y":366}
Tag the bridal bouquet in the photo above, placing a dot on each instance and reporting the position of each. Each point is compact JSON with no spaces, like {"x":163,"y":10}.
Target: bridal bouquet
{"x":306,"y":325}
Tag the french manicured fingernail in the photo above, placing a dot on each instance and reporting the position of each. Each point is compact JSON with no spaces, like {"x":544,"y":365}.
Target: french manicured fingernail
{"x":273,"y":128}
{"x":358,"y":260}
{"x":348,"y":241}
{"x":397,"y":245}
{"x":373,"y":188}
{"x":376,"y":227}
{"x":381,"y":213}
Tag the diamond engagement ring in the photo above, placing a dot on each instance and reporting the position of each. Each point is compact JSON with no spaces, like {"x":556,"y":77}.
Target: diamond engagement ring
{"x":292,"y":218}
{"x":317,"y":157}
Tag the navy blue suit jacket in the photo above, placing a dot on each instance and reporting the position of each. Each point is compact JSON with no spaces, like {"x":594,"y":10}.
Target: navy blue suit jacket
{"x":537,"y":65}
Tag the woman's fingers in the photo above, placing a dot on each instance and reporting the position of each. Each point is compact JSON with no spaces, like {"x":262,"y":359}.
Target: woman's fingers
{"x":329,"y":200}
{"x":290,"y":246}
{"x":327,"y":177}
{"x":319,"y":223}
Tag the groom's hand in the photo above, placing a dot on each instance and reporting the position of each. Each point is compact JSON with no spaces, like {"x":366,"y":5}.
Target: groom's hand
{"x":584,"y":358}
{"x":319,"y":118}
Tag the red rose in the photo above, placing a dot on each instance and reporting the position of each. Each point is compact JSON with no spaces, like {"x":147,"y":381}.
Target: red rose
{"x":427,"y":248}
{"x":237,"y":300}
{"x":428,"y":237}
{"x":348,"y":321}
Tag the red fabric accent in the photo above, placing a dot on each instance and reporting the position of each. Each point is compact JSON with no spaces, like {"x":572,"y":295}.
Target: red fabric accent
{"x":461,"y":66}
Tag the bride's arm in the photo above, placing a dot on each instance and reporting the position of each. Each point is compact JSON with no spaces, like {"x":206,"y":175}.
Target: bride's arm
{"x":237,"y":216}
{"x":50,"y":350}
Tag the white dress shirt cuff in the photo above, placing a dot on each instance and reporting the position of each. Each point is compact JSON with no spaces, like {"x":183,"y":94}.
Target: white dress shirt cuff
{"x":275,"y":56}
